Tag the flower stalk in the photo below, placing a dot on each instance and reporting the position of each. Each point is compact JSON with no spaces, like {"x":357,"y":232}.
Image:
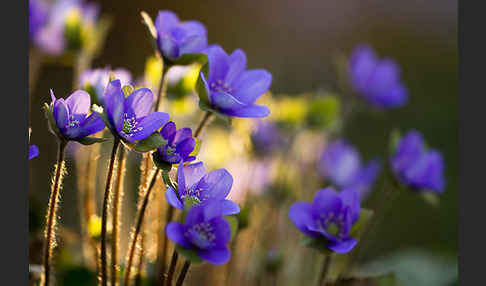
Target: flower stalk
{"x":138,"y":226}
{"x":183,"y":273}
{"x":50,"y":240}
{"x":203,"y":123}
{"x":117,"y":200}
{"x":173,"y":263}
{"x":165,"y":244}
{"x":326,"y":265}
{"x":104,"y":215}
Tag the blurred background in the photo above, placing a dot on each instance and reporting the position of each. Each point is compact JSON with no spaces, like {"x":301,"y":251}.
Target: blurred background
{"x":298,"y":42}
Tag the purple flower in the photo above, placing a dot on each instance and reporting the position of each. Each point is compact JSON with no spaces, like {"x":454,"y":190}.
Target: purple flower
{"x":417,"y":167}
{"x":96,"y":80}
{"x":66,"y":26}
{"x":266,"y":137}
{"x":341,"y":164}
{"x":176,"y":38}
{"x":193,"y":183}
{"x":180,"y":144}
{"x":377,"y":80}
{"x":204,"y":231}
{"x":71,"y":116}
{"x":33,"y":152}
{"x":37,"y":17}
{"x":130,"y":117}
{"x":330,"y":216}
{"x":229,"y":88}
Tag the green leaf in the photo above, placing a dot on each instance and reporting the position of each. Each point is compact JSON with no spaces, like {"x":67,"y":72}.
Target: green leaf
{"x":51,"y":122}
{"x":150,"y":143}
{"x":164,"y":166}
{"x":189,"y":254}
{"x":233,"y":222}
{"x":205,"y":107}
{"x":127,"y":90}
{"x":187,"y":59}
{"x":318,"y":244}
{"x":361,"y":224}
{"x":243,"y":216}
{"x":91,"y":140}
{"x":201,"y":87}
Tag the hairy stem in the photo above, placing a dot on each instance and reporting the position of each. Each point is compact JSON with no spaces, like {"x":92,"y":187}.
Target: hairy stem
{"x":104,"y":215}
{"x":117,"y":200}
{"x":173,"y":263}
{"x":138,"y":227}
{"x":183,"y":273}
{"x":165,"y":243}
{"x":50,"y":240}
{"x":325,"y":270}
{"x":203,"y":124}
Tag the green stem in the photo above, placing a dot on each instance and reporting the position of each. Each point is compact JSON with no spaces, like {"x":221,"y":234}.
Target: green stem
{"x":117,"y":200}
{"x":173,"y":263}
{"x":104,"y":215}
{"x":138,"y":227}
{"x":183,"y":273}
{"x":167,"y":180}
{"x":325,"y":270}
{"x":203,"y":123}
{"x":51,"y":214}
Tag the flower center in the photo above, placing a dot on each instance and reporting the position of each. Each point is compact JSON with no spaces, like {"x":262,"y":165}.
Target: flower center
{"x":130,"y":125}
{"x":171,"y":150}
{"x":221,"y":86}
{"x":196,"y":193}
{"x":201,"y":234}
{"x":72,"y":123}
{"x":333,"y":224}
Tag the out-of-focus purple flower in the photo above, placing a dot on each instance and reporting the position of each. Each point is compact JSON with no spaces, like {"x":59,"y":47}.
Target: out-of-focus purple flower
{"x":67,"y":19}
{"x":33,"y":152}
{"x":195,"y":184}
{"x":330,"y":216}
{"x":341,"y":164}
{"x":37,"y":17}
{"x":230,"y":88}
{"x":71,"y":116}
{"x":204,"y":231}
{"x":97,"y":79}
{"x":176,"y":38}
{"x":416,"y":167}
{"x":130,"y":117}
{"x":377,"y":80}
{"x":180,"y":144}
{"x":265,"y":137}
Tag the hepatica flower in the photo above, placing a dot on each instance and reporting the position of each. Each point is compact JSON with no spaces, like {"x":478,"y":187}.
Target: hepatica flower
{"x":176,"y":38}
{"x":329,"y":218}
{"x":180,"y":144}
{"x":417,"y":167}
{"x":130,"y":117}
{"x":72,"y":118}
{"x":193,"y":183}
{"x":204,"y":231}
{"x":341,"y":164}
{"x":377,"y":80}
{"x":95,"y":81}
{"x":228,"y":88}
{"x":33,"y":152}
